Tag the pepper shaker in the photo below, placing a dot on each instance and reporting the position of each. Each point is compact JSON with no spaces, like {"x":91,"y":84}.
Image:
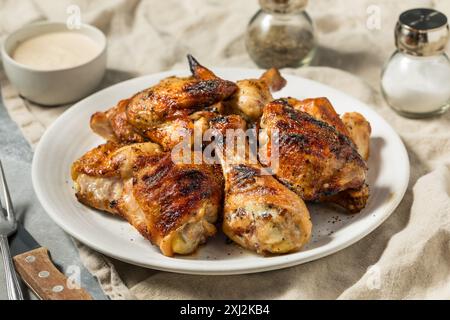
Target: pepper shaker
{"x":416,"y":80}
{"x":281,"y":34}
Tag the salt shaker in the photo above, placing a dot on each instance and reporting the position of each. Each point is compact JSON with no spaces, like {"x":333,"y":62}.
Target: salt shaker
{"x":416,"y":80}
{"x":281,"y":34}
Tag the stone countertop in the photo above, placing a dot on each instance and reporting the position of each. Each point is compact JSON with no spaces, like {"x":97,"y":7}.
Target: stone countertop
{"x":16,"y":156}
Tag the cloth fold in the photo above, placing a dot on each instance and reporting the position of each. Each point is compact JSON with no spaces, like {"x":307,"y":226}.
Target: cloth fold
{"x":416,"y":260}
{"x":406,"y":257}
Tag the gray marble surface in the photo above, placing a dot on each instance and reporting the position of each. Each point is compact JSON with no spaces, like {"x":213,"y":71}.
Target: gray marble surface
{"x":16,"y":157}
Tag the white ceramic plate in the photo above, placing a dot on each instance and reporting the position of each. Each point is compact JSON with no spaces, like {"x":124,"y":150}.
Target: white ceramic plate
{"x":70,"y":137}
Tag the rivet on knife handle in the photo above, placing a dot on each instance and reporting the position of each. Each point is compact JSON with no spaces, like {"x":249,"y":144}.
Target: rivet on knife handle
{"x":39,"y":273}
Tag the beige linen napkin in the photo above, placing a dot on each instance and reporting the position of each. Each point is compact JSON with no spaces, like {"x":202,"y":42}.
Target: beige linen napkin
{"x":407,"y":257}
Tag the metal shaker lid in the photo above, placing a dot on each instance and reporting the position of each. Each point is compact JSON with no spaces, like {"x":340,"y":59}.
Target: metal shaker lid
{"x":422,"y":32}
{"x":283,"y":6}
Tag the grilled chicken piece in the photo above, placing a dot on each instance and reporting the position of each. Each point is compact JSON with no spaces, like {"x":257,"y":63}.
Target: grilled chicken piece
{"x":359,"y":131}
{"x":315,"y":160}
{"x":253,"y":94}
{"x":170,"y":102}
{"x":260,"y":213}
{"x":173,"y":205}
{"x":175,"y":96}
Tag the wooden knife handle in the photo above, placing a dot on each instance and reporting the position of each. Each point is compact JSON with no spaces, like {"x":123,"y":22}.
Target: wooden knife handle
{"x":40,"y":274}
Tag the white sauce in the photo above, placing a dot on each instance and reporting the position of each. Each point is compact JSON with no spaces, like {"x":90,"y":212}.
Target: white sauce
{"x":56,"y":50}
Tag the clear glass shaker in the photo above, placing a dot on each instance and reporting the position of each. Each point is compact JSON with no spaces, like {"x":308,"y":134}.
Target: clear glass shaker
{"x":281,"y":35}
{"x":416,"y":80}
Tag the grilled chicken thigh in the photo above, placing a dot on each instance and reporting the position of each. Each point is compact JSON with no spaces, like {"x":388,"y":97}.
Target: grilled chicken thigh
{"x":253,"y":94}
{"x":260,"y":213}
{"x":356,"y":128}
{"x":315,"y":159}
{"x":169,"y":103}
{"x":173,"y":205}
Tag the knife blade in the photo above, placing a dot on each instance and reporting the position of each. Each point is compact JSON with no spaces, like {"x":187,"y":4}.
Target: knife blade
{"x":33,"y":263}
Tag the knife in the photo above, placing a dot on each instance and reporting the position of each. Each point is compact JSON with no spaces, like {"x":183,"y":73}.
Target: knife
{"x":33,"y":263}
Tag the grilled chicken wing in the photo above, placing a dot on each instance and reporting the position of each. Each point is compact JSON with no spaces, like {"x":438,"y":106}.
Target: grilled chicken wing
{"x":168,"y":103}
{"x":173,"y":205}
{"x":253,"y":94}
{"x":260,"y":213}
{"x":315,"y":160}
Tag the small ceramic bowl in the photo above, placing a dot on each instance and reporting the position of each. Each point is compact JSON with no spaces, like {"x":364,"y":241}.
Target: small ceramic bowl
{"x":54,"y":87}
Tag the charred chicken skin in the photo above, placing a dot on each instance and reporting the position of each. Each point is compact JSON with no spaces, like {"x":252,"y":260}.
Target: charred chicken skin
{"x":260,"y":213}
{"x":315,"y":159}
{"x":175,"y":206}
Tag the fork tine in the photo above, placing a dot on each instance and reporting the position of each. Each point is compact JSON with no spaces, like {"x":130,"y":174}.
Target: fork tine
{"x":6,"y":196}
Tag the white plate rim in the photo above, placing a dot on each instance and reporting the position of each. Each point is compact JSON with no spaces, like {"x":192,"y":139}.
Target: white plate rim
{"x":216,"y":268}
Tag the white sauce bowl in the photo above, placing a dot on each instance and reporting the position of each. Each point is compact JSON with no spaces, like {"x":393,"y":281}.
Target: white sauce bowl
{"x":54,"y":87}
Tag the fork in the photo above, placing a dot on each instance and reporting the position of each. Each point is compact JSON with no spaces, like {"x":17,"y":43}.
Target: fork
{"x":8,"y":226}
